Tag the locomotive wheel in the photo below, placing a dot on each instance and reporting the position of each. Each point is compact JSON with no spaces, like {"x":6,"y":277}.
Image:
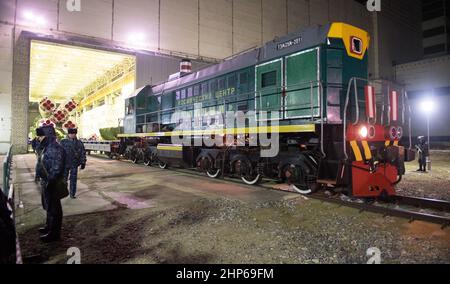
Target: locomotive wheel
{"x":148,"y":160}
{"x":251,"y":180}
{"x":162,"y":165}
{"x":296,"y":177}
{"x":248,"y":174}
{"x":213,"y":173}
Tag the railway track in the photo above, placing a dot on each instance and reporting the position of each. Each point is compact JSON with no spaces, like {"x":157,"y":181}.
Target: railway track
{"x":411,"y":208}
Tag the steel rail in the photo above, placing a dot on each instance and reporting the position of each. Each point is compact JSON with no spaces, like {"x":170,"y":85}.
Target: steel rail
{"x":393,"y":211}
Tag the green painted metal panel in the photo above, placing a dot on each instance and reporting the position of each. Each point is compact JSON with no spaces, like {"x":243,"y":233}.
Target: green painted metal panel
{"x":302,"y":76}
{"x":269,"y":81}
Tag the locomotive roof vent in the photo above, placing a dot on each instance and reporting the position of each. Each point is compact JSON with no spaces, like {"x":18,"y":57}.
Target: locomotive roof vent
{"x":185,"y":67}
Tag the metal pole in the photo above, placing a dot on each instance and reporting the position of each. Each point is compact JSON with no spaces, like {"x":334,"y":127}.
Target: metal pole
{"x":429,"y":147}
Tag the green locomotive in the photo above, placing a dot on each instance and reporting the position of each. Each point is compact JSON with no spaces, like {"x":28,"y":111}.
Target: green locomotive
{"x":306,"y":93}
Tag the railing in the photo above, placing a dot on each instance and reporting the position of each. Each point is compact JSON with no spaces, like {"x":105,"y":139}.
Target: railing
{"x":7,"y":162}
{"x":157,"y":118}
{"x":385,"y":106}
{"x":8,"y":190}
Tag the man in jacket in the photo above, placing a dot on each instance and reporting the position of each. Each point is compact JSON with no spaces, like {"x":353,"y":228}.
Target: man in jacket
{"x":75,"y":157}
{"x":35,"y":145}
{"x":51,"y":165}
{"x":422,"y":149}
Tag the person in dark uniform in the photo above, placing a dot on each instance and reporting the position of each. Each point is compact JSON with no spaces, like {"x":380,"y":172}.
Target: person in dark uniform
{"x":51,"y":171}
{"x":35,"y":145}
{"x":7,"y":233}
{"x":422,"y":150}
{"x":75,"y":157}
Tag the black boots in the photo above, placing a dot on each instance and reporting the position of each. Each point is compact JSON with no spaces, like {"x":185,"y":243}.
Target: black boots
{"x":50,"y":237}
{"x":43,"y":230}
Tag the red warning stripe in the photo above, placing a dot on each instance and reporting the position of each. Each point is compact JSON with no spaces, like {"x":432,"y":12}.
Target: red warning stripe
{"x":394,"y":105}
{"x":369,"y":91}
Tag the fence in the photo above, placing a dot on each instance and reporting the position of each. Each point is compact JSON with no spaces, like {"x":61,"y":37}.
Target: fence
{"x":7,"y":162}
{"x":8,"y":190}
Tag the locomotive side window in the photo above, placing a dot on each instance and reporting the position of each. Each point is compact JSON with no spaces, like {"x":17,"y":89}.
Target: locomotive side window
{"x":243,"y":78}
{"x":231,"y":81}
{"x":189,"y":92}
{"x":356,"y":44}
{"x":204,"y":89}
{"x":196,"y":90}
{"x":213,"y":86}
{"x":221,"y":83}
{"x":243,"y":83}
{"x":269,"y":79}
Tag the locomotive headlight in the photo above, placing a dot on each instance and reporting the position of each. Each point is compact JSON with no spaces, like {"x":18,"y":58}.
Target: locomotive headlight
{"x":399,"y":133}
{"x":393,"y":132}
{"x":363,"y":132}
{"x":372,"y":132}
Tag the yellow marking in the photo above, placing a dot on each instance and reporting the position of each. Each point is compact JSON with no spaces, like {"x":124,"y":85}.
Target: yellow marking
{"x":367,"y":152}
{"x":170,"y":147}
{"x":231,"y":131}
{"x":107,"y":90}
{"x":346,"y":32}
{"x":395,"y":143}
{"x":387,"y":143}
{"x":356,"y":151}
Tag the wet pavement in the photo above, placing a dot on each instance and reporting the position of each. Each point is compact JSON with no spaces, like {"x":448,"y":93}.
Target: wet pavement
{"x":109,"y":184}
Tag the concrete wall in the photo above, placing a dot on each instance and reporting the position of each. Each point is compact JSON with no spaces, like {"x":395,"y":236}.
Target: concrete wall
{"x":399,"y":35}
{"x":439,"y":119}
{"x":200,"y":29}
{"x":425,"y":74}
{"x":5,"y":86}
{"x":421,"y":78}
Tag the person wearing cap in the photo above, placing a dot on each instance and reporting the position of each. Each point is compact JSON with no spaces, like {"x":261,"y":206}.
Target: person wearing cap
{"x":36,"y":149}
{"x":75,"y":157}
{"x":51,"y":165}
{"x":422,"y":149}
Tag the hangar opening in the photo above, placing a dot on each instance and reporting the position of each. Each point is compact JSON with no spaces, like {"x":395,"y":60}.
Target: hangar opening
{"x":72,"y":86}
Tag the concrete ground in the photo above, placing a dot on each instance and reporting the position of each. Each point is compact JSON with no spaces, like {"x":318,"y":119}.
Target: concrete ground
{"x":128,"y":213}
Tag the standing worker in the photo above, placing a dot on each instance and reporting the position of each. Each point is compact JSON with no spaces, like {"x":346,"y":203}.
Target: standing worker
{"x":75,"y":157}
{"x":422,"y":149}
{"x":36,"y":149}
{"x":51,"y":165}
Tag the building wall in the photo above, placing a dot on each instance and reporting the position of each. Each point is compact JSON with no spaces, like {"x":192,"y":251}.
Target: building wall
{"x":399,"y":35}
{"x":428,"y":78}
{"x":5,"y":86}
{"x":207,"y":30}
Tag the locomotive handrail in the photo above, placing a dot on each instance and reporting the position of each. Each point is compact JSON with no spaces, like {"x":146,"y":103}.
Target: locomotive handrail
{"x":354,"y":81}
{"x":277,"y":91}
